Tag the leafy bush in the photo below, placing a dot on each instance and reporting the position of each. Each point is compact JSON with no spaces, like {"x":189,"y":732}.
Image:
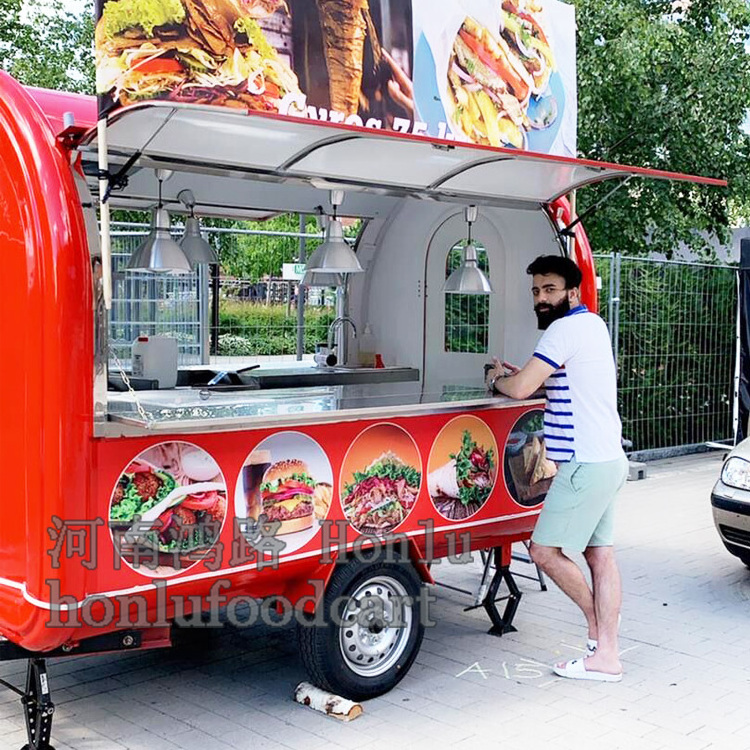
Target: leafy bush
{"x":248,"y":328}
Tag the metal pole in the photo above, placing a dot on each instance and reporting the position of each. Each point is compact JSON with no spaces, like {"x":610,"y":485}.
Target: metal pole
{"x":616,"y":308}
{"x":737,"y":356}
{"x":611,"y":301}
{"x":215,"y":309}
{"x":572,"y":238}
{"x":204,"y":328}
{"x":101,"y":135}
{"x":301,"y":291}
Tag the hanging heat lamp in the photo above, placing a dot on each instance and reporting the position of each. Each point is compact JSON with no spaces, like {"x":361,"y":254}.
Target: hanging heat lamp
{"x":196,"y":249}
{"x":159,"y":253}
{"x":468,"y":278}
{"x":316,"y":278}
{"x":334,"y":256}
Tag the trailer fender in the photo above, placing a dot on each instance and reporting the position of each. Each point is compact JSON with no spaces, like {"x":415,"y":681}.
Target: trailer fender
{"x":310,"y":590}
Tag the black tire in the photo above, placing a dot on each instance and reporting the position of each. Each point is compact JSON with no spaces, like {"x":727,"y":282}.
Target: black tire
{"x":741,"y":552}
{"x":348,"y":651}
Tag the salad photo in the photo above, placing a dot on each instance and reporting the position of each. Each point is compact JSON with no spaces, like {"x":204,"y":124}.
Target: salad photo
{"x":462,"y":485}
{"x":168,"y":508}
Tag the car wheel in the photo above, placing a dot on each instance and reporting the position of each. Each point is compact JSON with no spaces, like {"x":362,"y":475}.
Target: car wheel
{"x":370,"y":629}
{"x":741,"y":552}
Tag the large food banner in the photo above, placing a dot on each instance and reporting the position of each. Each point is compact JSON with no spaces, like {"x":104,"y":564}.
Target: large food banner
{"x":491,"y":72}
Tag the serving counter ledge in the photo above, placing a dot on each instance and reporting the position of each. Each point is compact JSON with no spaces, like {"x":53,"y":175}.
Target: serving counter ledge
{"x":190,"y":410}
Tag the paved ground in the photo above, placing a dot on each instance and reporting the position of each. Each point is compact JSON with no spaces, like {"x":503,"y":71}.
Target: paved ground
{"x":684,"y":642}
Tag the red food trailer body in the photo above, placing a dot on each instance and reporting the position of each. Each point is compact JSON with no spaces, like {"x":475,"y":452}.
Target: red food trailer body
{"x":75,"y":574}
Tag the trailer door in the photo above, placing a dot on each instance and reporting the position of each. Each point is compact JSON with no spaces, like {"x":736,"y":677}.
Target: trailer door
{"x":462,"y":331}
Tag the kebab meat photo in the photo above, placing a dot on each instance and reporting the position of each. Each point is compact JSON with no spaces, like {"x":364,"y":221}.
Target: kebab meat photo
{"x":344,"y":32}
{"x":381,"y":496}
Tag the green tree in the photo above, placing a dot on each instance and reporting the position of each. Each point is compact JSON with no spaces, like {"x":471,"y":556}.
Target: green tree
{"x":664,"y":84}
{"x":43,"y":44}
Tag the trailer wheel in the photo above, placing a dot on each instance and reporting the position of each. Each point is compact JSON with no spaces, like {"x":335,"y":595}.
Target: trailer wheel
{"x":371,"y":629}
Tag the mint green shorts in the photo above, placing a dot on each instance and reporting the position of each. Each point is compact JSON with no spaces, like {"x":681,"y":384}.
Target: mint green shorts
{"x":578,"y":511}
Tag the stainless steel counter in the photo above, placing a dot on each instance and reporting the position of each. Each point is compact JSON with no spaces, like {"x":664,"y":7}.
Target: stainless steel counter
{"x":190,"y":410}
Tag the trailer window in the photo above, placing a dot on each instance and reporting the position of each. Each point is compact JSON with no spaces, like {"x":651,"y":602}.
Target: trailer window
{"x":466,"y":315}
{"x":249,"y":312}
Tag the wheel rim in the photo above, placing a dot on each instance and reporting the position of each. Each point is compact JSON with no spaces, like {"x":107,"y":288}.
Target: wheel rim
{"x":373,"y":637}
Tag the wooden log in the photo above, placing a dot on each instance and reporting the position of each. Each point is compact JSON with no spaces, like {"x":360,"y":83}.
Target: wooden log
{"x":327,"y":703}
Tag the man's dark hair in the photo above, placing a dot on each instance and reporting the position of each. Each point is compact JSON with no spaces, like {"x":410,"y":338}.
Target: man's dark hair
{"x":556,"y":264}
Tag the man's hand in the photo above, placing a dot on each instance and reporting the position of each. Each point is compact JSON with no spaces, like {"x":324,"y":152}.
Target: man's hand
{"x":499,"y":370}
{"x":520,"y":383}
{"x":495,"y":372}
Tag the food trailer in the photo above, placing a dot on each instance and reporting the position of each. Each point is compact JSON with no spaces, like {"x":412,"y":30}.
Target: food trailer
{"x":327,"y":492}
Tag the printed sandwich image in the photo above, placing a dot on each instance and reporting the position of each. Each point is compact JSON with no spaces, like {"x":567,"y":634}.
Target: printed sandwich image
{"x":463,"y":468}
{"x":197,"y":51}
{"x":168,"y":508}
{"x":380,"y":479}
{"x":528,"y":471}
{"x":286,"y":479}
{"x":288,"y":495}
{"x":493,"y":75}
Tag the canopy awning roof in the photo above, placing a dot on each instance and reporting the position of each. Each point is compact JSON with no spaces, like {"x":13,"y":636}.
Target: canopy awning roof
{"x":219,"y":142}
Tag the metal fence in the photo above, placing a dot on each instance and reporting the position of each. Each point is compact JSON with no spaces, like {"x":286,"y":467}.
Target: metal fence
{"x":255,"y":315}
{"x":145,"y":304}
{"x":673,"y":328}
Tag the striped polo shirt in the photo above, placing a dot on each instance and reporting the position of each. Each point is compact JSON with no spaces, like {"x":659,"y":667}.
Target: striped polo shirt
{"x":580,"y":416}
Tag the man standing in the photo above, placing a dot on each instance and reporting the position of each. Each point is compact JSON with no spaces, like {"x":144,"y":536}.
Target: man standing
{"x":582,"y":434}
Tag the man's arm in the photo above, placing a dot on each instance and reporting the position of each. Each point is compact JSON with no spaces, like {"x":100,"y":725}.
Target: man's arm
{"x":528,"y":379}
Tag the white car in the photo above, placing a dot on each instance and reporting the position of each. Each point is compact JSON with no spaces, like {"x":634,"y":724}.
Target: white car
{"x":730,"y":499}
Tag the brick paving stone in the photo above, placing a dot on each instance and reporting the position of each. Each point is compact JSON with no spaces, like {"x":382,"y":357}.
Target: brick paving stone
{"x":619,"y":740}
{"x":112,"y":727}
{"x":143,"y":740}
{"x":679,"y":740}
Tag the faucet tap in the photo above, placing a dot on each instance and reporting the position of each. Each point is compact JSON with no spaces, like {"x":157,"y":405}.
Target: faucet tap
{"x":339,"y":323}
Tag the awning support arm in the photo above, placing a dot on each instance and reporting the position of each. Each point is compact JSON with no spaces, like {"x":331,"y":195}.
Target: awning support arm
{"x":568,"y":231}
{"x":119,"y":180}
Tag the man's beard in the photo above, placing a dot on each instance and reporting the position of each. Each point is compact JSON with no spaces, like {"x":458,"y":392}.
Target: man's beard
{"x":547,"y":314}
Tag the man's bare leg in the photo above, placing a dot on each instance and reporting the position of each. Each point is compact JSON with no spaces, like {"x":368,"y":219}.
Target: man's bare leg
{"x":569,"y":577}
{"x":607,"y":602}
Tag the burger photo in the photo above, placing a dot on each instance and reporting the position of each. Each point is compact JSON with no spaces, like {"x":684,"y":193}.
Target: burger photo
{"x":198,"y":51}
{"x":287,"y":495}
